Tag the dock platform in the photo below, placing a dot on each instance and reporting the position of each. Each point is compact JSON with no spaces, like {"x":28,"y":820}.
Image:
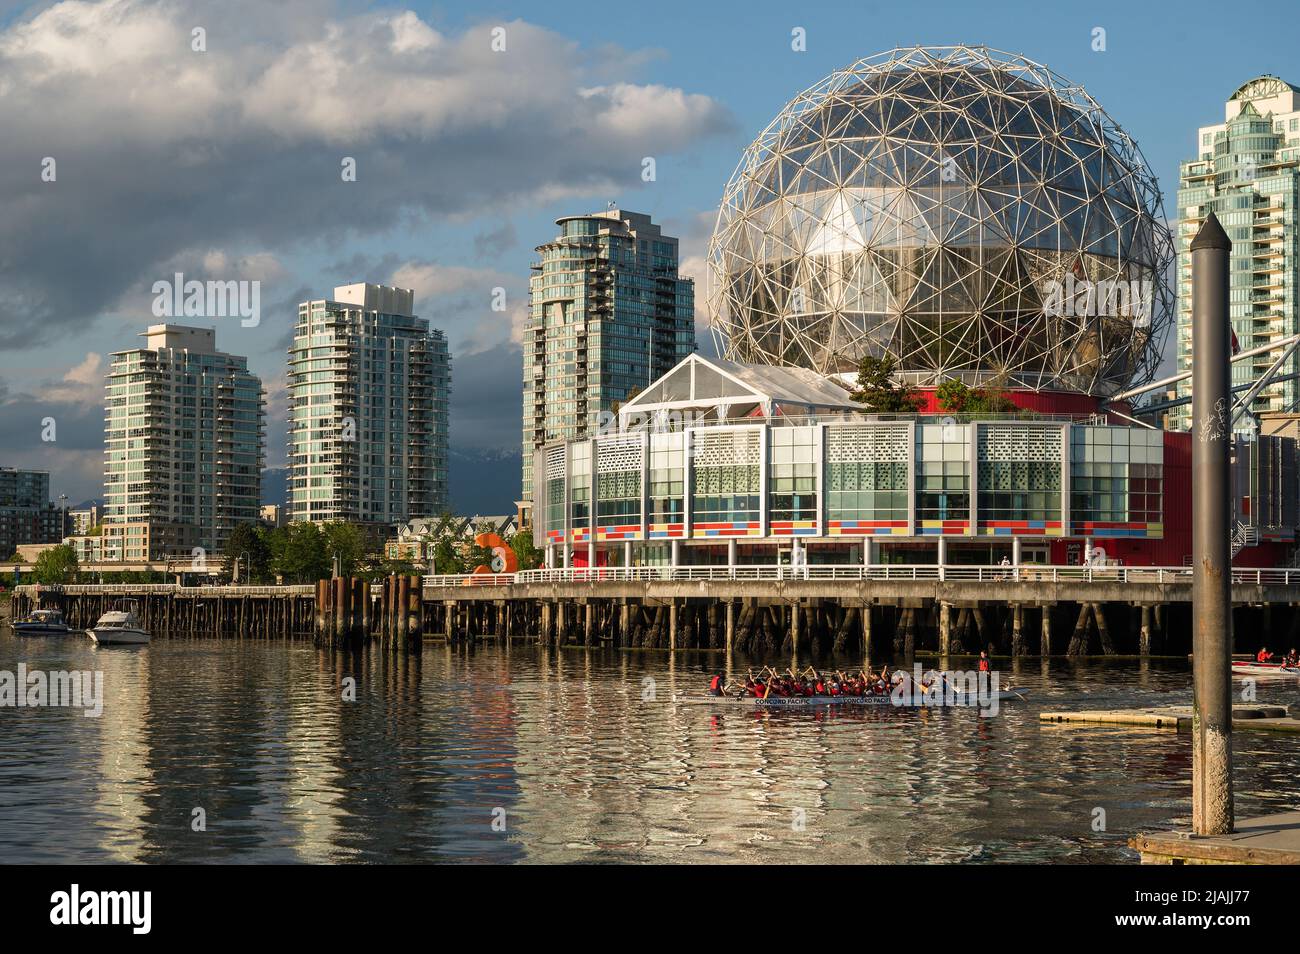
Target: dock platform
{"x":1266,"y":840}
{"x":1247,"y":715}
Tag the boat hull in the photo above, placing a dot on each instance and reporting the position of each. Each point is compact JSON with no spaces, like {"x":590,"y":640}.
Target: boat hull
{"x":108,"y":636}
{"x":40,"y":629}
{"x":850,"y":702}
{"x":1260,"y":669}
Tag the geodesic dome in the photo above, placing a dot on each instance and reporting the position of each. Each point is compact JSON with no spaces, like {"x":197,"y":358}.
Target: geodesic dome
{"x":966,"y":211}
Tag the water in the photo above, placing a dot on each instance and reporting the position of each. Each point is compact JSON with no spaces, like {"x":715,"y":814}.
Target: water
{"x":436,"y":747}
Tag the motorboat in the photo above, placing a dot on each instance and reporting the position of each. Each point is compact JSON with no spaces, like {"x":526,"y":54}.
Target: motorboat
{"x":120,"y":626}
{"x":1268,"y":670}
{"x":41,"y":622}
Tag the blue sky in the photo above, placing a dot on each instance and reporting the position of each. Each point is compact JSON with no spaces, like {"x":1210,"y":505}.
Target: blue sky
{"x":224,"y":164}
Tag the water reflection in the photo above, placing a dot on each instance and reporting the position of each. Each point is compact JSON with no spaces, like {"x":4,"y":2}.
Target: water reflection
{"x":525,"y":754}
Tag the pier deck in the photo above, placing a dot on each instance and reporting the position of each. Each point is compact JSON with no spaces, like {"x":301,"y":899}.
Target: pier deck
{"x":1266,"y":840}
{"x":1267,"y":718}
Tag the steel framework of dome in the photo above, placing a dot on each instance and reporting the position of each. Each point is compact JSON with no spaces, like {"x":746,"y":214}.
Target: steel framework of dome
{"x":946,"y":206}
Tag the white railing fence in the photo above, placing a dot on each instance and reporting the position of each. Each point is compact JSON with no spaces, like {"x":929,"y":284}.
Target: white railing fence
{"x":922,"y":572}
{"x":1276,"y":576}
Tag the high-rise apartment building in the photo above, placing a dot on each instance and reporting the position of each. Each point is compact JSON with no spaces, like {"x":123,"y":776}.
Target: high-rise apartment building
{"x":26,"y":514}
{"x":609,"y":313}
{"x":1247,"y":172}
{"x":182,"y":446}
{"x":369,"y":384}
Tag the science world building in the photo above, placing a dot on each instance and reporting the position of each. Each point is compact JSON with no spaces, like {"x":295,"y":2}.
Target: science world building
{"x":981,"y":226}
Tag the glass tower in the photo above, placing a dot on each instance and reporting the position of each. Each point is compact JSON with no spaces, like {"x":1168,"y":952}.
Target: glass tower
{"x":1247,"y":172}
{"x":609,"y":313}
{"x":182,"y":447}
{"x":369,"y":384}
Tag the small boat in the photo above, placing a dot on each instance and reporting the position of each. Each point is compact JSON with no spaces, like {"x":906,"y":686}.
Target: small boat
{"x":872,"y":701}
{"x":41,"y":622}
{"x":1274,"y":670}
{"x":120,"y":626}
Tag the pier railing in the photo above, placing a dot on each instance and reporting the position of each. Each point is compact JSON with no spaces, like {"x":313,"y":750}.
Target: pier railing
{"x":164,"y":589}
{"x":1286,"y":576}
{"x":1276,"y":576}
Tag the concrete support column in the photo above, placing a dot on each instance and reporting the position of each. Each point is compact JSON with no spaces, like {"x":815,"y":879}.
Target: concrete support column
{"x":943,"y":554}
{"x":1015,"y":551}
{"x":731,"y":552}
{"x":676,"y":559}
{"x":627,"y":552}
{"x":1045,"y":646}
{"x":559,"y":623}
{"x":1144,"y":634}
{"x":1017,"y":630}
{"x":945,"y":628}
{"x":625,"y":623}
{"x":587,"y":623}
{"x":866,"y":633}
{"x":794,"y":627}
{"x":672,"y":625}
{"x":591,"y":553}
{"x":868,"y":551}
{"x":1212,"y":804}
{"x":730,"y":634}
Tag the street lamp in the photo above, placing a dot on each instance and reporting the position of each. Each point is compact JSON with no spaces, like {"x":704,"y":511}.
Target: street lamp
{"x":248,"y":563}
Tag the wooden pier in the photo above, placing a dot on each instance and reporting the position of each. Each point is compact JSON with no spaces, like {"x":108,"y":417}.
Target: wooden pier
{"x":880,"y":612}
{"x":1266,"y":840}
{"x":1245,"y":715}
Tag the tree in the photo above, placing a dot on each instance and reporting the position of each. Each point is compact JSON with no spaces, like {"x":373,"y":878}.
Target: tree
{"x":56,"y":565}
{"x":992,"y":400}
{"x":879,"y":392}
{"x":528,"y":555}
{"x":952,"y":396}
{"x":248,"y":544}
{"x":299,"y":553}
{"x":445,"y":557}
{"x":346,"y":542}
{"x":955,"y":397}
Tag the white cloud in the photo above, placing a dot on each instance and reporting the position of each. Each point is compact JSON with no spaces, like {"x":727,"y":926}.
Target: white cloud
{"x":459,"y":299}
{"x":82,"y":384}
{"x":164,"y":154}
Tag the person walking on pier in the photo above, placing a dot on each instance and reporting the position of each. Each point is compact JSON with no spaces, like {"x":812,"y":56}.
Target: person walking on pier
{"x":986,"y":664}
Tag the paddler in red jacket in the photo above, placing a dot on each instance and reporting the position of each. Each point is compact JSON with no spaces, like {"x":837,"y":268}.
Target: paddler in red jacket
{"x":716,"y":685}
{"x":1263,"y":655}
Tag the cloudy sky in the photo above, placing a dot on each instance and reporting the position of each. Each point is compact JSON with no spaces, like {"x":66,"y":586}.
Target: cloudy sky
{"x":224,"y":163}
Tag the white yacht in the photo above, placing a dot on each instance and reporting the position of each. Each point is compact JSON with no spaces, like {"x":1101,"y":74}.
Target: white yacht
{"x":120,"y":626}
{"x":41,"y":622}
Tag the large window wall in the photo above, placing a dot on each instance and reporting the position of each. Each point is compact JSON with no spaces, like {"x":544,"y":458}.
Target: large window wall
{"x":900,"y":479}
{"x":867,"y":479}
{"x":1116,"y":477}
{"x":793,"y":453}
{"x":667,"y":502}
{"x":726,"y":484}
{"x":553,"y":478}
{"x":942,"y":479}
{"x":1019,"y":479}
{"x":580,"y":490}
{"x":618,"y":488}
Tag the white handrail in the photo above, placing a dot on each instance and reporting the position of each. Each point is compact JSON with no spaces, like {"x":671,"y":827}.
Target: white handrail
{"x":927,"y":572}
{"x":1024,"y":573}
